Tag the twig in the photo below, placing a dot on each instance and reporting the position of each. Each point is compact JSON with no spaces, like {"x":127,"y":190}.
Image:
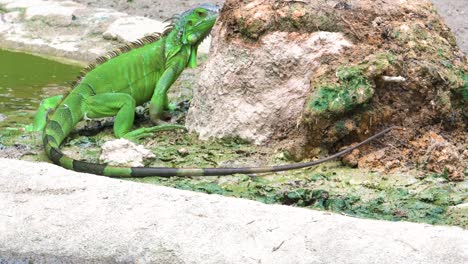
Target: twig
{"x":352,"y":28}
{"x":278,"y":247}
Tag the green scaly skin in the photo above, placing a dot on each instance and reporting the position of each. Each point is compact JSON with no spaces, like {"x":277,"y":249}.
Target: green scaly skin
{"x":115,"y":86}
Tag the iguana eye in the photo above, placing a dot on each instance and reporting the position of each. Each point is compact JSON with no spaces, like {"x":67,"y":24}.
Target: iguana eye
{"x":201,"y":13}
{"x":190,"y":23}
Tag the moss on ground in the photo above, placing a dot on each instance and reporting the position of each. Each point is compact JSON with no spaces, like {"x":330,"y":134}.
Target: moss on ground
{"x":331,"y":186}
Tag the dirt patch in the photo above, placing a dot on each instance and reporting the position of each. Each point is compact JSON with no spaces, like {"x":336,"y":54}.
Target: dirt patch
{"x":438,"y":155}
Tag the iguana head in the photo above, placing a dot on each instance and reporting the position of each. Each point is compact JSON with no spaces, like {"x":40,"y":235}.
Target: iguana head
{"x":189,"y":30}
{"x":195,"y":24}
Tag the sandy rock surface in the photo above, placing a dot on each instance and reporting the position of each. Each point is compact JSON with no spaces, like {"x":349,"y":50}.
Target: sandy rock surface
{"x":49,"y":214}
{"x":127,"y":29}
{"x":263,"y":89}
{"x":122,"y":152}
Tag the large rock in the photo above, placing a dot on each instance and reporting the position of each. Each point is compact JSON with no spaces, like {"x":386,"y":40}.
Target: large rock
{"x":127,"y":29}
{"x":256,"y":92}
{"x":52,"y":215}
{"x":327,"y":73}
{"x":59,"y":13}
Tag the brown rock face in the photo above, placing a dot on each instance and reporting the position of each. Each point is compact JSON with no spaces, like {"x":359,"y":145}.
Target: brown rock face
{"x":438,"y":155}
{"x":329,"y":73}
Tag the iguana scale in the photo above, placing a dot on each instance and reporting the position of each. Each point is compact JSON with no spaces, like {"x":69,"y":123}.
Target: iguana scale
{"x":133,"y":75}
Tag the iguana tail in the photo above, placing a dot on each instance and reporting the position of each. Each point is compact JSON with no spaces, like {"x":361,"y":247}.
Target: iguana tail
{"x":61,"y":122}
{"x":56,"y":131}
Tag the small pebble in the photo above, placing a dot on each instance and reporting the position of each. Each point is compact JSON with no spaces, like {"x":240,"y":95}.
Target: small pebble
{"x":183,"y":152}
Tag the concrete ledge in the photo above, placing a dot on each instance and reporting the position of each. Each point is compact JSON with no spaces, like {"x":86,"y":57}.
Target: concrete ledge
{"x":52,"y":215}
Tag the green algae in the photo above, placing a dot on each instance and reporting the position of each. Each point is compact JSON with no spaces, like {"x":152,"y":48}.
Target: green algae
{"x":392,"y":204}
{"x":441,"y":67}
{"x":3,"y":9}
{"x":330,"y":187}
{"x":422,"y":38}
{"x":334,"y":188}
{"x":376,"y":64}
{"x":25,"y":80}
{"x":464,"y":87}
{"x":353,"y":89}
{"x":457,"y":215}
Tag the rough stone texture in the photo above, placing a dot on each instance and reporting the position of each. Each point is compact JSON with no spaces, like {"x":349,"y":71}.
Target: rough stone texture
{"x":439,"y":155}
{"x":45,"y":9}
{"x":51,"y":215}
{"x":256,"y":92}
{"x":264,"y":92}
{"x":128,"y":29}
{"x":122,"y":152}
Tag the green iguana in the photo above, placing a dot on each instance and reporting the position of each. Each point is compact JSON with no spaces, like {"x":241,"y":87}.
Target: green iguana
{"x":135,"y":74}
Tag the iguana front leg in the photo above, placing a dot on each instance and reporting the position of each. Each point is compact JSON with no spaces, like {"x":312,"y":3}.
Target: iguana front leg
{"x":159,"y":101}
{"x":122,"y":106}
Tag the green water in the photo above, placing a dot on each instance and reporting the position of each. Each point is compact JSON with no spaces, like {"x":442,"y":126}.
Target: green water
{"x":27,"y":79}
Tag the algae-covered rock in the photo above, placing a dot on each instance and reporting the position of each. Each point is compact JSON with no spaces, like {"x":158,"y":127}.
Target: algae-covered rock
{"x":353,"y":90}
{"x":400,"y":66}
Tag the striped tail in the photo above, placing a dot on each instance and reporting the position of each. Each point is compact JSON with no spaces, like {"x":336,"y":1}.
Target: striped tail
{"x":55,"y":134}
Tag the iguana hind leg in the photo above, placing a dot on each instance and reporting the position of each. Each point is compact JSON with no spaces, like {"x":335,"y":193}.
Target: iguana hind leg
{"x":40,"y":119}
{"x":122,"y":106}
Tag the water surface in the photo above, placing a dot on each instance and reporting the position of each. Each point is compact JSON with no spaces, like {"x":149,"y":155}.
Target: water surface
{"x":27,"y":79}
